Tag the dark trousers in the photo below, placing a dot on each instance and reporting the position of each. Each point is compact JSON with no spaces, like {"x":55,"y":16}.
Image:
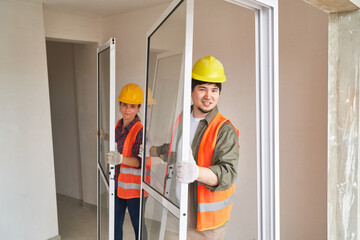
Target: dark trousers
{"x":133,"y":206}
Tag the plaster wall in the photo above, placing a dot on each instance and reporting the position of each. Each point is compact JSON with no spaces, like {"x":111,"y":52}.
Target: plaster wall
{"x":303,"y":121}
{"x":27,"y":180}
{"x":68,"y":26}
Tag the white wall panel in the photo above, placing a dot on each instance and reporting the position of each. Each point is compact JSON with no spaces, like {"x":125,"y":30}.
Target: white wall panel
{"x":27,"y":181}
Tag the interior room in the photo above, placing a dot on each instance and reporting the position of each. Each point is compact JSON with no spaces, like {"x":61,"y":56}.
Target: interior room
{"x":49,"y":79}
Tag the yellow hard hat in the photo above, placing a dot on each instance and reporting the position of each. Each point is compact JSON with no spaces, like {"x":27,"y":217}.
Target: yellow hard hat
{"x":151,"y":100}
{"x":208,"y":69}
{"x":131,"y":94}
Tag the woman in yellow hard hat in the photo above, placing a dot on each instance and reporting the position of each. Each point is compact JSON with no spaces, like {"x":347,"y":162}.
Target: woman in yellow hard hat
{"x":128,"y":136}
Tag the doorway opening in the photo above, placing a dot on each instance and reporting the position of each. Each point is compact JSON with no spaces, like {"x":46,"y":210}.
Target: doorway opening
{"x":72,"y":87}
{"x":228,"y":34}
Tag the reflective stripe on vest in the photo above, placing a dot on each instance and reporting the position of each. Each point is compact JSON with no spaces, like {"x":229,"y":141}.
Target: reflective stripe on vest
{"x":216,"y":206}
{"x":129,"y":180}
{"x":128,"y":185}
{"x":213,"y":207}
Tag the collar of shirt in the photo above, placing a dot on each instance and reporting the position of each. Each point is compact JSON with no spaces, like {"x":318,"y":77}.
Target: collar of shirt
{"x":211,"y":115}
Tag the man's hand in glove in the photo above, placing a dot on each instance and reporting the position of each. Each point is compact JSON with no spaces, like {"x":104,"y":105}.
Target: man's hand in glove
{"x":187,"y":171}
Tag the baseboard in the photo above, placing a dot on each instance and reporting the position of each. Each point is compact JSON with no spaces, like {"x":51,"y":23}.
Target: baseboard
{"x":58,"y":237}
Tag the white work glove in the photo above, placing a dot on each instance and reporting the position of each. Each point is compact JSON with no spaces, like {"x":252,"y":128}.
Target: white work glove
{"x":147,"y":152}
{"x":187,"y":171}
{"x":114,"y":157}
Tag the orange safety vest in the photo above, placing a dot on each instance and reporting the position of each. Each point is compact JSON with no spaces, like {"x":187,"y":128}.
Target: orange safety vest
{"x":129,"y":180}
{"x":213,"y":207}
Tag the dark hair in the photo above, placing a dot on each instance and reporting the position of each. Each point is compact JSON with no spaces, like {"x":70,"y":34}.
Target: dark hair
{"x":195,"y":82}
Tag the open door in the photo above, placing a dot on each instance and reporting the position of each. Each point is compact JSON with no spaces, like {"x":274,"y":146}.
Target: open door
{"x":106,"y":140}
{"x":169,"y":63}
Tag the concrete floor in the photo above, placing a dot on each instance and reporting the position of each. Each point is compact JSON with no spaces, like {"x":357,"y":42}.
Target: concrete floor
{"x":79,"y":223}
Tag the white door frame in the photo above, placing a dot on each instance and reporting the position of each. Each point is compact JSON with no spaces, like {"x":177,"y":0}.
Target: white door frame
{"x":100,"y":174}
{"x":267,"y":105}
{"x":267,"y":115}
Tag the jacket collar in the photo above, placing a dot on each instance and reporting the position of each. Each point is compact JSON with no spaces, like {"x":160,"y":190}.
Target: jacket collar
{"x":210,"y":115}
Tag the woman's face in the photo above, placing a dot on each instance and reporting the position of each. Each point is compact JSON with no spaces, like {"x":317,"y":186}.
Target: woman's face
{"x":128,"y":111}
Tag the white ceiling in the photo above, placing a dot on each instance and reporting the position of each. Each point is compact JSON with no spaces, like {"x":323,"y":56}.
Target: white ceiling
{"x":99,"y":7}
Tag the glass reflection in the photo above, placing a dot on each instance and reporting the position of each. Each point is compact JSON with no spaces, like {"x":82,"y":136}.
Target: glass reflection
{"x":104,"y":91}
{"x":159,"y":222}
{"x":166,"y":72}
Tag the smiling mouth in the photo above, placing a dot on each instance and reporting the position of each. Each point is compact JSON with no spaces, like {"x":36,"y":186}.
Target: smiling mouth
{"x":206,"y":104}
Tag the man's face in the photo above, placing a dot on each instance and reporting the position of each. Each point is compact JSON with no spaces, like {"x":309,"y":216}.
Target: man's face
{"x":205,"y":97}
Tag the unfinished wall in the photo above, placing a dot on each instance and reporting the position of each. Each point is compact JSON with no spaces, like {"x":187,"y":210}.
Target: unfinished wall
{"x":27,"y":181}
{"x":343,"y":158}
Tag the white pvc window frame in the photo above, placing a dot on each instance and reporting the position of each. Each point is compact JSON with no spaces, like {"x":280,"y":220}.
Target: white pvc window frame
{"x":267,"y":111}
{"x":267,"y":115}
{"x":100,"y":173}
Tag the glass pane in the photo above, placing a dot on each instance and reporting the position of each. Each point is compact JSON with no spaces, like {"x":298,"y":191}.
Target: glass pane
{"x":104,"y":210}
{"x":165,"y":80}
{"x":104,"y":91}
{"x":159,"y":222}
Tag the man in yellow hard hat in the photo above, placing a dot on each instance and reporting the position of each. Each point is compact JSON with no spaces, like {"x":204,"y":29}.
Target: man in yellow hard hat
{"x":212,"y":169}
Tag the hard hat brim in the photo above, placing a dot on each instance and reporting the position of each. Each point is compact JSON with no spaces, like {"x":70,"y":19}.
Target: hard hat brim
{"x":207,"y":79}
{"x":130,"y":102}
